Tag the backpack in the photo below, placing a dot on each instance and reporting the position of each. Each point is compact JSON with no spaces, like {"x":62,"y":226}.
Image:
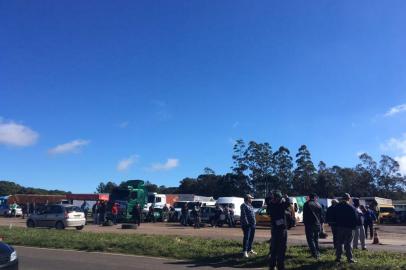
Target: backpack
{"x":290,"y":220}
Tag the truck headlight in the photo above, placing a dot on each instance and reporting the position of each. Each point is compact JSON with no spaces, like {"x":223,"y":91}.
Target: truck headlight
{"x":13,"y":256}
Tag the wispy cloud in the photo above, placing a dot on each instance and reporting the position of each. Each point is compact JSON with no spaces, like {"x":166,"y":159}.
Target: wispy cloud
{"x":69,"y":147}
{"x":170,"y":164}
{"x":161,"y":110}
{"x":15,"y":134}
{"x":123,"y":124}
{"x":398,"y":147}
{"x":396,"y":110}
{"x":232,"y":141}
{"x":236,"y":124}
{"x":126,"y":163}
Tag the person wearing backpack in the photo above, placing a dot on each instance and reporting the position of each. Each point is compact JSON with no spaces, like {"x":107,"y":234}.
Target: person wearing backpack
{"x":312,"y":219}
{"x":278,"y":208}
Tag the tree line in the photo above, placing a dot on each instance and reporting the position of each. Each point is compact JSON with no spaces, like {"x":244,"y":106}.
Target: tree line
{"x":258,"y":169}
{"x":10,"y":188}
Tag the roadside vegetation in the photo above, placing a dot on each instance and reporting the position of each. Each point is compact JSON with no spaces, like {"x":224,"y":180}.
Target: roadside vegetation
{"x":194,"y":250}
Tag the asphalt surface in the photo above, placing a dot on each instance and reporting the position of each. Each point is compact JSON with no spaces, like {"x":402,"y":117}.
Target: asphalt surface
{"x":51,"y":259}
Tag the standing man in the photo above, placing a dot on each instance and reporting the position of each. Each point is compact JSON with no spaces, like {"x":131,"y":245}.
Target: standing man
{"x":369,"y":219}
{"x":312,"y":219}
{"x":331,"y":220}
{"x":114,"y":212}
{"x":346,"y":220}
{"x":85,"y":208}
{"x":248,"y":224}
{"x":359,"y":230}
{"x":277,"y":208}
{"x":136,"y":214}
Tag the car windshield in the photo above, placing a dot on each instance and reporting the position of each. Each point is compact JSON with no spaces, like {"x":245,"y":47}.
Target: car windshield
{"x":151,"y":198}
{"x":387,"y":210}
{"x":71,"y":209}
{"x":120,"y":194}
{"x":257,"y":204}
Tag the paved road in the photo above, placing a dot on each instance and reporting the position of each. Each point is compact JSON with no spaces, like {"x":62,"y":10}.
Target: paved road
{"x":51,"y":259}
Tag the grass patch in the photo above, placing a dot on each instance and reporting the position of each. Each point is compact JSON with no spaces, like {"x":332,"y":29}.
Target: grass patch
{"x":199,"y":251}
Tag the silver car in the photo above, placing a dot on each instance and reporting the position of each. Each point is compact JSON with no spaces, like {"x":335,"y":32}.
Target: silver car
{"x":58,"y":216}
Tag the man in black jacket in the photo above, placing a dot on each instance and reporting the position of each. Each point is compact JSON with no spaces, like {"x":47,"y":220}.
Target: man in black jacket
{"x":277,"y":207}
{"x":345,"y":216}
{"x":312,"y":218}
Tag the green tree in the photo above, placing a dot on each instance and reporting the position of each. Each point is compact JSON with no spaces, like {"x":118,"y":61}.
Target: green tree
{"x":304,"y":176}
{"x":390,"y":179}
{"x":258,"y":157}
{"x":106,"y":188}
{"x":283,"y":170}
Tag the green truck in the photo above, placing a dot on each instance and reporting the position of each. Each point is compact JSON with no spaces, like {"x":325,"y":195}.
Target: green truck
{"x":127,"y":196}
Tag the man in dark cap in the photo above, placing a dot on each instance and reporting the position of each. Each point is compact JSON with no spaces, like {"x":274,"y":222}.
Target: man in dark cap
{"x":312,"y":219}
{"x":248,"y":223}
{"x":346,"y":221}
{"x":277,"y":207}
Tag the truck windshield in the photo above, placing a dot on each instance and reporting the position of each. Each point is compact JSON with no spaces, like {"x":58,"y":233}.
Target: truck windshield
{"x":151,"y":198}
{"x":179,"y":204}
{"x":120,"y":195}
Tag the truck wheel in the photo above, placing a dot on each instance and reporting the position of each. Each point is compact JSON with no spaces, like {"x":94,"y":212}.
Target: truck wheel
{"x":59,"y":226}
{"x":79,"y":227}
{"x":30,"y":224}
{"x":128,"y":226}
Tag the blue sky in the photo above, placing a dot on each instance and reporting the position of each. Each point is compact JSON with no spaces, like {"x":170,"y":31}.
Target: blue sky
{"x":104,"y":90}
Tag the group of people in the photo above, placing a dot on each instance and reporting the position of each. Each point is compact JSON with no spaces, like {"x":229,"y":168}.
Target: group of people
{"x":349,"y":223}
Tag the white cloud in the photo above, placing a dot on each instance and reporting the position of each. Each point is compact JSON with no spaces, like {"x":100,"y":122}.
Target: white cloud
{"x":171,"y":163}
{"x":125,"y":164}
{"x":123,"y":124}
{"x":395,"y":110}
{"x":398,"y":147}
{"x":395,"y":145}
{"x":15,"y":134}
{"x":69,"y":147}
{"x":236,"y":124}
{"x":402,"y":163}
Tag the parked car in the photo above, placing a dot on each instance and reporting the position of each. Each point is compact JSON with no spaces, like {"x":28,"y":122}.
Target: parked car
{"x":58,"y":216}
{"x":8,"y":212}
{"x":262,"y":217}
{"x":207,"y":214}
{"x":8,"y":257}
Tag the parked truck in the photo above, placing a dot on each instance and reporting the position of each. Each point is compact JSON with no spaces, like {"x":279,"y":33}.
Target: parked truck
{"x":127,"y":197}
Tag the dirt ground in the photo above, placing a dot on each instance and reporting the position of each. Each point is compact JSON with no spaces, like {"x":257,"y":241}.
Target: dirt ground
{"x":393,"y":238}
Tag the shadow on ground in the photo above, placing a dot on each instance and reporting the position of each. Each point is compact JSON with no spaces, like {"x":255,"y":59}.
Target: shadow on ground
{"x":235,"y":261}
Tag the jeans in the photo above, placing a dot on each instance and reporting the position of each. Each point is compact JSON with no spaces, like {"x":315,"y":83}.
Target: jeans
{"x":369,"y":225}
{"x":312,"y":237}
{"x":279,"y":238}
{"x":359,"y":234}
{"x":249,"y":233}
{"x":345,"y":237}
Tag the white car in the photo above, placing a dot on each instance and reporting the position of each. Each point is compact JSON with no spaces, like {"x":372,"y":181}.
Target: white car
{"x":8,"y":212}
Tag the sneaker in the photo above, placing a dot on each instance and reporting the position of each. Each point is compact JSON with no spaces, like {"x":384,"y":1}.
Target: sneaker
{"x":364,"y":248}
{"x":253,"y":252}
{"x":245,"y":254}
{"x":352,"y":261}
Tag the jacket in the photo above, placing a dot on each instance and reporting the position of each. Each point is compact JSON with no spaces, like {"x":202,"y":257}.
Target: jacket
{"x":312,"y":213}
{"x":345,"y":215}
{"x":277,"y":212}
{"x":247,"y":215}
